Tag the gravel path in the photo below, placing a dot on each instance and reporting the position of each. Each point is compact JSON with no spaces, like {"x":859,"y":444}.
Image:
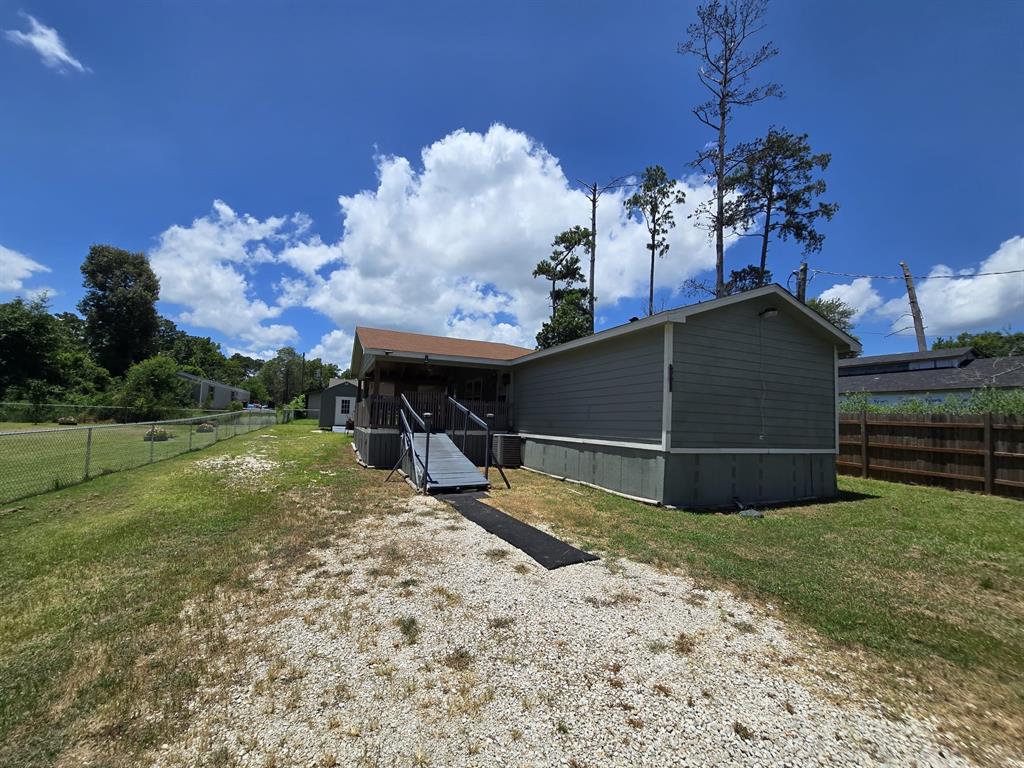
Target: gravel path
{"x":422,"y":640}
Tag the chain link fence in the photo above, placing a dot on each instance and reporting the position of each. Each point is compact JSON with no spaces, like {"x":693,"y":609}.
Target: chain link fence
{"x":72,"y":413}
{"x":37,"y":460}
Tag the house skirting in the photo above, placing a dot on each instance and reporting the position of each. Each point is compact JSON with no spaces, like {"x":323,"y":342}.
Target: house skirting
{"x":702,"y":480}
{"x":379,"y":448}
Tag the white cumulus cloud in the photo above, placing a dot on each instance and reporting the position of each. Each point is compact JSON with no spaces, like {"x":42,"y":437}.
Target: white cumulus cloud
{"x":859,"y":294}
{"x":334,"y":347}
{"x":204,"y":268}
{"x":46,"y":42}
{"x":965,"y":301}
{"x":446,"y":247}
{"x":15,"y":269}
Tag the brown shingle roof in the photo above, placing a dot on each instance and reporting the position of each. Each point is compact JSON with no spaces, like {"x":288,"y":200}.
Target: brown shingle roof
{"x":422,"y":344}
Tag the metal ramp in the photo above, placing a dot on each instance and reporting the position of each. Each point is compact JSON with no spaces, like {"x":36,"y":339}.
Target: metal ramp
{"x":432,"y":462}
{"x":448,"y":468}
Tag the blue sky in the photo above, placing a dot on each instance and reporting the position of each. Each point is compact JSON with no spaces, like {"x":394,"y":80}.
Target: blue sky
{"x":218,"y":137}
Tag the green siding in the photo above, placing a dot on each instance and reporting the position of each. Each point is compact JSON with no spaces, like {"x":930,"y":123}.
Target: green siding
{"x":740,"y":381}
{"x":610,"y":390}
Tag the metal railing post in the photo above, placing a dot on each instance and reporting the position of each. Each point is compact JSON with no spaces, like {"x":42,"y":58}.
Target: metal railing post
{"x":426,"y":450}
{"x":465,"y":429}
{"x":88,"y":451}
{"x":487,"y":445}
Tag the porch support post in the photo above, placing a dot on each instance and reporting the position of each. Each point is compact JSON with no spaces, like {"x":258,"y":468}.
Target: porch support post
{"x":376,"y":378}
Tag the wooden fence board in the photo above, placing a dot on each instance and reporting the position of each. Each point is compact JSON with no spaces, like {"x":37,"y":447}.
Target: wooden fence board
{"x":957,"y":452}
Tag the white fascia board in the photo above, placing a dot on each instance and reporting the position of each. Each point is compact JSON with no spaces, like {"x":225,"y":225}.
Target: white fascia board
{"x":680,"y":315}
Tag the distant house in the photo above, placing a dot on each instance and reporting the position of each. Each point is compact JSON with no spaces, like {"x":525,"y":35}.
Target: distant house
{"x":931,"y":376}
{"x":337,"y":403}
{"x":214,"y":394}
{"x":730,"y":400}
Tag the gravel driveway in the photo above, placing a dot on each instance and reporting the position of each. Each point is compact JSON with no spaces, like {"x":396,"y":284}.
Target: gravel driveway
{"x":422,"y":640}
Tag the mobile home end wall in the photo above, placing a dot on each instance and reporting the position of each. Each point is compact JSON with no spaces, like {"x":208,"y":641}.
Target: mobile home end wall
{"x":750,"y":415}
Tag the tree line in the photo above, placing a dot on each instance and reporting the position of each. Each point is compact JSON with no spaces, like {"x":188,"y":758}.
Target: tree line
{"x":119,"y":351}
{"x":767,"y":187}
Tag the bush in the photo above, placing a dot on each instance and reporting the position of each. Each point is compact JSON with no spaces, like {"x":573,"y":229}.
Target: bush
{"x":157,"y":435}
{"x":67,"y":421}
{"x":985,"y":400}
{"x":236,"y":405}
{"x":206,"y":427}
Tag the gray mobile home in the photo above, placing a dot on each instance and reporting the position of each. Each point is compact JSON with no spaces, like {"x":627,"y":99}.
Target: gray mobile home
{"x":214,"y":394}
{"x":730,"y":400}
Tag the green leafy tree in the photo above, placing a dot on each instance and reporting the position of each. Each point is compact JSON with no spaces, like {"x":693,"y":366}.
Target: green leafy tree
{"x":740,"y":280}
{"x":563,"y":266}
{"x":987,"y":343}
{"x":570,"y":321}
{"x":30,"y":341}
{"x":836,"y":311}
{"x":652,"y":203}
{"x":777,"y":187}
{"x":119,"y":307}
{"x":722,"y":41}
{"x":153,"y":390}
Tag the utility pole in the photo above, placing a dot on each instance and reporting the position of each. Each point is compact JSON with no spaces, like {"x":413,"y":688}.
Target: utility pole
{"x":593,"y":193}
{"x":915,"y":309}
{"x":801,"y":283}
{"x":593,"y":249}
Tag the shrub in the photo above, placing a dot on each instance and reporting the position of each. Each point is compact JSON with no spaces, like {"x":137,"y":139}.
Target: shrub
{"x":67,"y":421}
{"x":157,"y":435}
{"x":236,"y":405}
{"x":206,"y":427}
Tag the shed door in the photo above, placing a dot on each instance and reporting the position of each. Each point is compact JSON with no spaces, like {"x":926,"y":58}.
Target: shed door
{"x":344,"y":409}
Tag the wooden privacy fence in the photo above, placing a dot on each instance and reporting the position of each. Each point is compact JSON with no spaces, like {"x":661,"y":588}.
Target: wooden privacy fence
{"x":980,"y":452}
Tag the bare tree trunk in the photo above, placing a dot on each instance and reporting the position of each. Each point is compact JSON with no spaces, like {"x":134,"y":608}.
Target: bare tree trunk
{"x":650,"y":299}
{"x":764,"y":241}
{"x":723,"y":114}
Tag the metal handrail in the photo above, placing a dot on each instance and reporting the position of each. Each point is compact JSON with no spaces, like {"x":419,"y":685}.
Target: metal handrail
{"x":468,"y":414}
{"x":424,"y":422}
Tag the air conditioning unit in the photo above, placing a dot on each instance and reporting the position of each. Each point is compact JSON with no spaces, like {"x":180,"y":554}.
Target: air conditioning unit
{"x":507,"y":450}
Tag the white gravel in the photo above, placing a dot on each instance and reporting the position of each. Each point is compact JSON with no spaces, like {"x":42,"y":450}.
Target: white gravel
{"x":514,"y":665}
{"x":248,"y":470}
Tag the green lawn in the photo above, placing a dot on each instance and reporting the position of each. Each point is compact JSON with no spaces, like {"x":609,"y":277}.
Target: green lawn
{"x":96,"y":657}
{"x":924,"y":579}
{"x":93,"y":579}
{"x":34,"y":462}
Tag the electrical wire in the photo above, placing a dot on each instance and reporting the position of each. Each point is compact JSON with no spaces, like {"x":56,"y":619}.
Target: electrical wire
{"x":926,"y":277}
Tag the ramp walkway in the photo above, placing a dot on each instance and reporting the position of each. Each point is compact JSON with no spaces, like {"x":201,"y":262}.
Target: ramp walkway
{"x":447,"y":468}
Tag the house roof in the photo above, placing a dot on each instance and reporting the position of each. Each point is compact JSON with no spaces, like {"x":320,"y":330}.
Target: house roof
{"x":422,"y":344}
{"x":907,"y":357}
{"x":680,"y":314}
{"x":974,"y":374}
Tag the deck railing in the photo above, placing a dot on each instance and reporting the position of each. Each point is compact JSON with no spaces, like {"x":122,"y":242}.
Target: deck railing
{"x":383,"y":411}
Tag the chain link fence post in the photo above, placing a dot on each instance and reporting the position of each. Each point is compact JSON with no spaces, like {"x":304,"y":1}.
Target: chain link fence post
{"x":190,"y":436}
{"x":88,"y":452}
{"x":152,"y":441}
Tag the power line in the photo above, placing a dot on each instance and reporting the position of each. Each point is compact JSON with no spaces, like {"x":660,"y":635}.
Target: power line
{"x":927,"y":277}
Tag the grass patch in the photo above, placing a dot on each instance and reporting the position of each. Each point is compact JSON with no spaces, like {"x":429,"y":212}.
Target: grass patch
{"x":409,"y":626}
{"x":930,"y":581}
{"x":98,"y":659}
{"x":460,"y":659}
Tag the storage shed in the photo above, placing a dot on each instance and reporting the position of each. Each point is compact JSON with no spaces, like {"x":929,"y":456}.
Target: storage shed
{"x":337,"y":404}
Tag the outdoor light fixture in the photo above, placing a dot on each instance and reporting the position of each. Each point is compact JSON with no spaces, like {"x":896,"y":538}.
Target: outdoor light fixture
{"x":764,"y":314}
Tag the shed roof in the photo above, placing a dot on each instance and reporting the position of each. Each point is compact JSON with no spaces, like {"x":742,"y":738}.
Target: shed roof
{"x":423,"y":344}
{"x":974,"y":374}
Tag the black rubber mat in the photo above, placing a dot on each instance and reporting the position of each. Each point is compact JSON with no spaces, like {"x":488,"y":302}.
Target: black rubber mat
{"x":545,"y":549}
